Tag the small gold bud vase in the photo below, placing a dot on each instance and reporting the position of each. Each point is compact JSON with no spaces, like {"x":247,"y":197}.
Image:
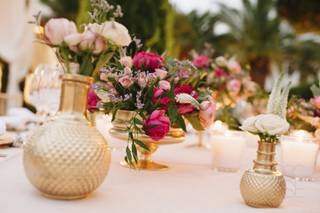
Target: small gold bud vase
{"x":263,"y":186}
{"x":67,"y":158}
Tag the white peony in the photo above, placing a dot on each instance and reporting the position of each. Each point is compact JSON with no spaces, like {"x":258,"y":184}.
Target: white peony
{"x":249,"y":125}
{"x":271,"y":124}
{"x":113,"y":31}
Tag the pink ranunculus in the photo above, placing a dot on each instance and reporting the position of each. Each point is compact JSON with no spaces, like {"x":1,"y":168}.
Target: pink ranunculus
{"x":158,"y":118}
{"x":126,"y":81}
{"x":164,"y":85}
{"x":57,"y":29}
{"x":234,"y":86}
{"x":93,"y":99}
{"x":233,"y":66}
{"x":316,"y":102}
{"x":161,"y":73}
{"x":147,"y":61}
{"x":201,"y":61}
{"x":185,"y":108}
{"x":126,"y":61}
{"x":219,"y":72}
{"x":207,"y":113}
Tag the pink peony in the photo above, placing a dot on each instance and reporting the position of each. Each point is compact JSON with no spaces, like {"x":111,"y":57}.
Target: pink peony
{"x":158,"y":118}
{"x":185,"y":108}
{"x":57,"y":29}
{"x":207,"y":113}
{"x":157,"y":92}
{"x":126,"y":61}
{"x":161,"y":73}
{"x":93,"y":99}
{"x":234,"y":86}
{"x":233,"y":66}
{"x":164,"y":85}
{"x":147,"y":61}
{"x":316,"y":102}
{"x":126,"y":81}
{"x":201,"y":61}
{"x":99,"y":45}
{"x":88,"y":39}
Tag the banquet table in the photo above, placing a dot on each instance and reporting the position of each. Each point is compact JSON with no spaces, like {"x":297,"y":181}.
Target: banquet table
{"x":190,"y":185}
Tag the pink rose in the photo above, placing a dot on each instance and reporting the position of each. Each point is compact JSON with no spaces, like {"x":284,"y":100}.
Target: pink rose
{"x":201,"y":61}
{"x":127,"y":71}
{"x":316,"y":102}
{"x":147,"y":61}
{"x":161,"y":73}
{"x":158,"y":118}
{"x":73,"y":41}
{"x":234,"y":86}
{"x":93,"y":99}
{"x":219,"y":72}
{"x":207,"y":113}
{"x":233,"y":66}
{"x":57,"y":29}
{"x":164,"y":85}
{"x":126,"y":61}
{"x":88,"y":39}
{"x":125,"y":81}
{"x":164,"y":102}
{"x":185,"y":108}
{"x":157,"y":92}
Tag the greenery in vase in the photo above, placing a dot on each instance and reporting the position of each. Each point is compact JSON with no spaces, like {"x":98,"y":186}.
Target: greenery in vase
{"x":90,"y":47}
{"x":140,"y":81}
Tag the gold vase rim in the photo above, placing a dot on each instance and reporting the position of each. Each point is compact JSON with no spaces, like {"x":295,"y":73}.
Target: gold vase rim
{"x":78,"y":78}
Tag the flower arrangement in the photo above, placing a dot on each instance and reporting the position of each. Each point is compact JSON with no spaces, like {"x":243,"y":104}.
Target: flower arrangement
{"x":271,"y":125}
{"x":303,"y":114}
{"x":140,"y":81}
{"x":86,"y":49}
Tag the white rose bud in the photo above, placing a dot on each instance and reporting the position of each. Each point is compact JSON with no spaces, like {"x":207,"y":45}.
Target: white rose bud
{"x":271,"y":124}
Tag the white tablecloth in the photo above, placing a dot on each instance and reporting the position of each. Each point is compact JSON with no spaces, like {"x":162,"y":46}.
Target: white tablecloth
{"x":189,"y":186}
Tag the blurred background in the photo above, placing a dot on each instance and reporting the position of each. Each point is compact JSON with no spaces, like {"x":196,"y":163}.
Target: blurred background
{"x":267,"y":36}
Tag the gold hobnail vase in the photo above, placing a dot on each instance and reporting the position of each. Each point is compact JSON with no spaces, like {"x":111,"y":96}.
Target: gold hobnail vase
{"x":119,"y":131}
{"x":67,"y":158}
{"x":263,"y":186}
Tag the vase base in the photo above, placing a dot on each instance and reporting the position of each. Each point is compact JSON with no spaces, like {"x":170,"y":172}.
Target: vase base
{"x":146,"y":165}
{"x":61,"y":197}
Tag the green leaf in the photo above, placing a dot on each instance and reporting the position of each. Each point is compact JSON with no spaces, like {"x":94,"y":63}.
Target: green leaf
{"x":181,"y":123}
{"x":137,"y":121}
{"x":86,"y":66}
{"x":129,"y":156}
{"x":102,"y":61}
{"x":145,"y":128}
{"x":141,"y":144}
{"x":134,"y":152}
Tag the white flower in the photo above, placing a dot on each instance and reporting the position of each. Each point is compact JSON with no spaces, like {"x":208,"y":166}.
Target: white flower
{"x":184,"y":98}
{"x":249,"y":125}
{"x":221,"y":61}
{"x":113,"y":31}
{"x":271,"y":124}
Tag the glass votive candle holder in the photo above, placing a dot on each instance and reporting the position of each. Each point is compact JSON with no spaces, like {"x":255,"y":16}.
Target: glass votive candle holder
{"x":299,"y":157}
{"x":227,"y":150}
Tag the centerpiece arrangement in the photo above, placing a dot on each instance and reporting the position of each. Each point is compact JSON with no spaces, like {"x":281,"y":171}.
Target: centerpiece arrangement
{"x":149,"y":105}
{"x":264,"y":186}
{"x":232,"y":87}
{"x":68,"y":158}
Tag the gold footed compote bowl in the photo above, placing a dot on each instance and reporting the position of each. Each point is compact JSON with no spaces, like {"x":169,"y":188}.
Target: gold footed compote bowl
{"x":175,"y":135}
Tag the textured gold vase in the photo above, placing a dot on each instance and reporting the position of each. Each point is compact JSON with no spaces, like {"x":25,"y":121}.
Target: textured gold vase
{"x":263,"y":186}
{"x":67,"y":158}
{"x":119,"y":130}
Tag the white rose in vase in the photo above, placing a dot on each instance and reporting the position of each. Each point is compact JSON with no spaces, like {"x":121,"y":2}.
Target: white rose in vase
{"x":249,"y":125}
{"x":115,"y":32}
{"x":271,"y":124}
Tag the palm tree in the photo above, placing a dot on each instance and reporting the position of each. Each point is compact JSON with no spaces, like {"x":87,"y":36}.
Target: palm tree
{"x":256,"y":36}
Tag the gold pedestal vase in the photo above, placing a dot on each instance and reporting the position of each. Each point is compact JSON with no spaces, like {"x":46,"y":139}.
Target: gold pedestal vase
{"x":67,"y":158}
{"x":119,"y":130}
{"x":263,"y":186}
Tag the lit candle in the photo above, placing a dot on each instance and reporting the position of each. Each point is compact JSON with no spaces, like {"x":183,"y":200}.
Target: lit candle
{"x":299,"y":154}
{"x":227,"y":150}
